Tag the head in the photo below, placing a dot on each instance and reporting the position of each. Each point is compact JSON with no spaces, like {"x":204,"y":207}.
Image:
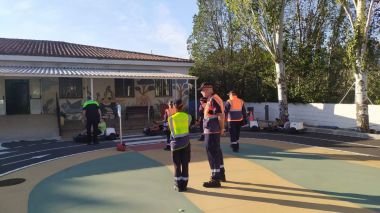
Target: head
{"x":171,"y":104}
{"x":178,"y":104}
{"x":232,"y":94}
{"x":207,"y":89}
{"x":89,"y":98}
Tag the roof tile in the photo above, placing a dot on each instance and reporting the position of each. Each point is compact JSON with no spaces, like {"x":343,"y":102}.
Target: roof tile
{"x":27,"y":47}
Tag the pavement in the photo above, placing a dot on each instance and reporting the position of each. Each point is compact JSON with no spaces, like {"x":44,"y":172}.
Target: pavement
{"x":273,"y":172}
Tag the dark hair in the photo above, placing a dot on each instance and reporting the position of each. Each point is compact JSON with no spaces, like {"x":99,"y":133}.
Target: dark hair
{"x":178,"y":104}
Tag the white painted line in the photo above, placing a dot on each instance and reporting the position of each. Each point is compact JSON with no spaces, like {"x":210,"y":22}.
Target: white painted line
{"x":143,"y":142}
{"x":142,"y":138}
{"x":52,"y":159}
{"x":41,"y":151}
{"x":331,"y":140}
{"x":39,"y":156}
{"x":130,"y":136}
{"x":4,"y":152}
{"x":356,"y":153}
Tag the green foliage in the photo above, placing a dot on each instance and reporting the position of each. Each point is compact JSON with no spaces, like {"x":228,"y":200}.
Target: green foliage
{"x":317,"y":37}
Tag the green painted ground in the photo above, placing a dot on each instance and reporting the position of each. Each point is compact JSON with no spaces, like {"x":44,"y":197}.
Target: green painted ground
{"x":337,"y":178}
{"x":128,"y":182}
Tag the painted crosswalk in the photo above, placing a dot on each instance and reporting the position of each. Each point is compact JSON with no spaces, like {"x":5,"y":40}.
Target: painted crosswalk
{"x":141,"y":139}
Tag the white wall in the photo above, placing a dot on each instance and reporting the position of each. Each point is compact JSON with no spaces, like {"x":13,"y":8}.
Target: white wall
{"x":318,"y":114}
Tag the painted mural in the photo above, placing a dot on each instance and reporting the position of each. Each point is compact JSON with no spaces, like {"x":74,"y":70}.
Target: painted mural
{"x":143,"y":88}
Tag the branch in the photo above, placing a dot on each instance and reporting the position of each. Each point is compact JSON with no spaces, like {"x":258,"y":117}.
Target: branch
{"x":344,"y":5}
{"x":368,"y":22}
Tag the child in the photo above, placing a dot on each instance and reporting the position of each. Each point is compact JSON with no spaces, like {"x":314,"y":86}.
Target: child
{"x":179,"y":124}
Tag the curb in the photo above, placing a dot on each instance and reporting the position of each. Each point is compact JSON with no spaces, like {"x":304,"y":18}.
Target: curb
{"x":343,"y":133}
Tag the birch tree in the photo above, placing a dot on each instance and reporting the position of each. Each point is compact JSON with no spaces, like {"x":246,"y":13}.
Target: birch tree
{"x":359,"y":14}
{"x":266,"y":19}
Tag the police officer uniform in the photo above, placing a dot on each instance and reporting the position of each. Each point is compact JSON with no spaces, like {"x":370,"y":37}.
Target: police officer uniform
{"x":92,"y":112}
{"x":179,"y":124}
{"x":212,"y":133}
{"x":235,"y":113}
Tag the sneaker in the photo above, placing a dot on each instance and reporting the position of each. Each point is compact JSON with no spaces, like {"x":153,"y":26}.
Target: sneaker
{"x":212,"y":184}
{"x":223,"y":178}
{"x":167,"y":148}
{"x":235,"y":149}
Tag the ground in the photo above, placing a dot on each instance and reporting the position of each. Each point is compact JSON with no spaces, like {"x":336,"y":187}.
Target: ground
{"x":271,"y":173}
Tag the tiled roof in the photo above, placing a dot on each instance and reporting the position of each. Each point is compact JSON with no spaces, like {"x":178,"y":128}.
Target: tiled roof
{"x":85,"y":72}
{"x":28,"y":47}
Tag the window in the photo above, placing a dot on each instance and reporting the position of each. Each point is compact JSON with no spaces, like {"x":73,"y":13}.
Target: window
{"x":70,"y":88}
{"x":124,"y":88}
{"x":164,"y":87}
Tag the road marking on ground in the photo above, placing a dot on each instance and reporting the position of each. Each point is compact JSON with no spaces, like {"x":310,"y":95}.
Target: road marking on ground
{"x":34,"y":157}
{"x":52,"y":159}
{"x":331,"y":140}
{"x":44,"y":150}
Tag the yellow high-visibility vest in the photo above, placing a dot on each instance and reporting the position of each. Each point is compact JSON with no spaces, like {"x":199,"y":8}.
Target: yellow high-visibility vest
{"x":179,"y":124}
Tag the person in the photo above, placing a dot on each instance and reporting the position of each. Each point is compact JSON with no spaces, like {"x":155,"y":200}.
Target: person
{"x":102,"y":127}
{"x":92,"y":113}
{"x":179,"y":125}
{"x":202,"y":106}
{"x":213,"y":124}
{"x":168,"y":112}
{"x":236,"y":114}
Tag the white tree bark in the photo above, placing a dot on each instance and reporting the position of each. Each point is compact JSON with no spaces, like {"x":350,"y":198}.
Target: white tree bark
{"x":281,"y":90}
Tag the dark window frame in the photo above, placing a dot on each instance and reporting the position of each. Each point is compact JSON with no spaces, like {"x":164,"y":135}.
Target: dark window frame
{"x":64,"y":83}
{"x":159,"y":85}
{"x":122,"y":92}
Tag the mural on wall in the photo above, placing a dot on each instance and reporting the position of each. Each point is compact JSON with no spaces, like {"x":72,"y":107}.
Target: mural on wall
{"x":144,"y":86}
{"x":108,"y":94}
{"x":72,"y":108}
{"x":49,"y":89}
{"x":182,"y":88}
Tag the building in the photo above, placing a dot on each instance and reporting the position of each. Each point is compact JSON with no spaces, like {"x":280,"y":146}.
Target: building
{"x":36,"y":76}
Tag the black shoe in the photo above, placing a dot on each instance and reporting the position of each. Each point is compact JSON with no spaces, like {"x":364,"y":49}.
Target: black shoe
{"x":167,"y":148}
{"x":223,"y":178}
{"x":212,"y":184}
{"x":96,"y":143}
{"x":201,"y":138}
{"x":235,"y":149}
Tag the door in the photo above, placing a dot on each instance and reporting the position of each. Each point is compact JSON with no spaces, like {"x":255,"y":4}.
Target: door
{"x":17,"y":97}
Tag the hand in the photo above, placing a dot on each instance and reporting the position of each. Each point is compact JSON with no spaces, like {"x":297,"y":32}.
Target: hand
{"x":222,"y":132}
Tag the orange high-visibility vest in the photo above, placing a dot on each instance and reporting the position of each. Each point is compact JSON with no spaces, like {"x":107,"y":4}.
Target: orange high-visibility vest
{"x":210,"y":107}
{"x":235,"y":113}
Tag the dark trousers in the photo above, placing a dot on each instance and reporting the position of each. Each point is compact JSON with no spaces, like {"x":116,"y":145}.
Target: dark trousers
{"x":234,"y":129}
{"x":92,"y":122}
{"x":201,"y":128}
{"x":214,"y":155}
{"x":181,"y":159}
{"x":168,"y":138}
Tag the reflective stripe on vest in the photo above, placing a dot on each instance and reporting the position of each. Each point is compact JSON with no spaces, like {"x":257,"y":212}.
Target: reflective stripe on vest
{"x":89,"y":102}
{"x":179,"y":124}
{"x":209,"y":107}
{"x":235,"y":113}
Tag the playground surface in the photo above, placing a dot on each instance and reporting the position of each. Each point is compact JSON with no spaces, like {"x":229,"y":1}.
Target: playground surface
{"x":269,"y":174}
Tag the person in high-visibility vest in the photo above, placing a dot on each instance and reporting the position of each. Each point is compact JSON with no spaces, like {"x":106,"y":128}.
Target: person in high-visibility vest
{"x":213,"y":124}
{"x":236,"y":114}
{"x":91,"y":111}
{"x":179,"y":124}
{"x":171,"y":110}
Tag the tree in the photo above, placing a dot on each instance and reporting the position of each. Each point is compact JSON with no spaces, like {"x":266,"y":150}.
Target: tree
{"x":266,"y":19}
{"x":359,"y":14}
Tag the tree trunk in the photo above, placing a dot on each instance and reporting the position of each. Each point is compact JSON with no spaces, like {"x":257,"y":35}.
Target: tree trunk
{"x":360,"y":73}
{"x":281,"y":90}
{"x":362,"y":120}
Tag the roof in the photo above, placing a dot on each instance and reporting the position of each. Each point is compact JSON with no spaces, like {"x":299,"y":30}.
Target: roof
{"x":86,"y":72}
{"x":27,"y":47}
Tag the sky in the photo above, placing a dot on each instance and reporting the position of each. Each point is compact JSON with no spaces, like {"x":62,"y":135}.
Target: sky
{"x":160,"y":27}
